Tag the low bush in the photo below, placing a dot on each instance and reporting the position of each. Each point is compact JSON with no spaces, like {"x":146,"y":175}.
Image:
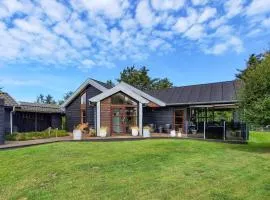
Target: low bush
{"x":36,"y":135}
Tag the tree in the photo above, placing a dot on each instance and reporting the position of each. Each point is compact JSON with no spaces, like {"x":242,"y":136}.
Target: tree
{"x":252,"y":62}
{"x":159,"y":84}
{"x":65,"y":97}
{"x":110,"y":83}
{"x":140,"y":79}
{"x":40,"y":98}
{"x":255,"y":93}
{"x":49,"y":100}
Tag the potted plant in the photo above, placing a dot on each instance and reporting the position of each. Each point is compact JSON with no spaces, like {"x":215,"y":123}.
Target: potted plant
{"x":103,"y":132}
{"x":179,"y":134}
{"x":173,"y":133}
{"x":134,"y":131}
{"x":146,"y":131}
{"x":77,"y":133}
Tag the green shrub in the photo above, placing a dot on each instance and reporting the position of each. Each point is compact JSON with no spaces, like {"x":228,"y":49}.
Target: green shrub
{"x":36,"y":135}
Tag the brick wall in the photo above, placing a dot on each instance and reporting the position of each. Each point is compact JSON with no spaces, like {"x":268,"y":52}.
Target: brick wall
{"x":105,"y":114}
{"x":2,"y":121}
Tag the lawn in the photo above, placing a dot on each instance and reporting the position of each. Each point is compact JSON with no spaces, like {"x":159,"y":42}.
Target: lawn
{"x":148,"y":169}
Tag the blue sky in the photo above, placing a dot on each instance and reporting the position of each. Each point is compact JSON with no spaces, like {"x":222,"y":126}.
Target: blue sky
{"x":52,"y":46}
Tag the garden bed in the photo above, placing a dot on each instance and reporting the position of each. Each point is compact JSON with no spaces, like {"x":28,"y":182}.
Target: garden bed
{"x":36,"y":135}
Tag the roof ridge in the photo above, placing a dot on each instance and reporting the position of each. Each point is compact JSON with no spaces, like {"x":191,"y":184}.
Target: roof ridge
{"x":192,"y":85}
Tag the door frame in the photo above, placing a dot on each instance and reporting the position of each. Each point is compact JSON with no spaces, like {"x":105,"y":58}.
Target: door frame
{"x":183,"y":117}
{"x":123,"y":125}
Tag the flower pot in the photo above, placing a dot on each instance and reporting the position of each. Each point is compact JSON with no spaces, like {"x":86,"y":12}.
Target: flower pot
{"x":173,"y":133}
{"x":103,"y":133}
{"x":146,"y":132}
{"x":134,"y":132}
{"x":77,"y":134}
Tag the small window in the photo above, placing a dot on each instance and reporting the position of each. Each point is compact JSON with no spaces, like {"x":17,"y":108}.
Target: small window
{"x":83,"y":116}
{"x":83,"y":99}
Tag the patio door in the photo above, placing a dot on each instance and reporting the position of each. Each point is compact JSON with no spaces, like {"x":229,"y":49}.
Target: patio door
{"x":179,"y":120}
{"x":123,"y":118}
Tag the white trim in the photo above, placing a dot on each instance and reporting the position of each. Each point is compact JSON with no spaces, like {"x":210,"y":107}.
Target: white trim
{"x":82,"y":87}
{"x":143,"y":94}
{"x":140,"y":119}
{"x":98,"y":118}
{"x":119,"y":88}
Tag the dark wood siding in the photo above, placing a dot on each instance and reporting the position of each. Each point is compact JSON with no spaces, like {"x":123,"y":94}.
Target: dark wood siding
{"x":160,"y":116}
{"x":73,"y":109}
{"x":7,"y":120}
{"x":2,"y":119}
{"x":91,"y":110}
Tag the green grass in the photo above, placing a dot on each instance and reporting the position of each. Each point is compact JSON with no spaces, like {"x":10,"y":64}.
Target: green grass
{"x":148,"y":169}
{"x":36,"y":135}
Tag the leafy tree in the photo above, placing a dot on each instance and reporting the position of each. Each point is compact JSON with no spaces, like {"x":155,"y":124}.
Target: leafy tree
{"x":255,"y":93}
{"x":49,"y":99}
{"x":110,"y":83}
{"x":1,"y":89}
{"x":140,"y":79}
{"x":40,"y":98}
{"x":161,"y":84}
{"x":65,"y":97}
{"x":252,"y":62}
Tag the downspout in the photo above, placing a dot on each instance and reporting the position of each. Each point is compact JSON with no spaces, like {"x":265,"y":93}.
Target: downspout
{"x":11,"y":119}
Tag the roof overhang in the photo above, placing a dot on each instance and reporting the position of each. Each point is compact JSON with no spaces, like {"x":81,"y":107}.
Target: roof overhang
{"x":203,"y":103}
{"x":81,"y":88}
{"x":143,"y":94}
{"x":116,"y":89}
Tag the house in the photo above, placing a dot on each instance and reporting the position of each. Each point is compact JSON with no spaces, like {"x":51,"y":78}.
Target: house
{"x":25,"y":116}
{"x":205,"y":110}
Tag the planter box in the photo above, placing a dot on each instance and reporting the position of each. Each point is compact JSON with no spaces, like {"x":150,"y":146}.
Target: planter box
{"x":173,"y":133}
{"x":146,"y":132}
{"x":103,"y":133}
{"x":77,"y":135}
{"x":134,"y":132}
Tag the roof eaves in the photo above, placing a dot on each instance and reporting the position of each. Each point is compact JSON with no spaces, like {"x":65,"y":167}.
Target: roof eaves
{"x":82,"y":86}
{"x":145,"y":95}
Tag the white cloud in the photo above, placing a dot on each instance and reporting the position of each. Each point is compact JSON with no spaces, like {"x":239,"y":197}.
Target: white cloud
{"x":183,"y":23}
{"x":195,"y":32}
{"x":167,"y":4}
{"x":233,"y":7}
{"x":207,"y":14}
{"x":199,"y":2}
{"x":98,"y":33}
{"x":258,"y":7}
{"x":110,"y":8}
{"x":145,"y":15}
{"x":233,"y":43}
{"x":266,"y":22}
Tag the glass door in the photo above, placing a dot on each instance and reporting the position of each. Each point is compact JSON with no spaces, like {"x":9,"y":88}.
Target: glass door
{"x":179,"y":120}
{"x":118,"y":121}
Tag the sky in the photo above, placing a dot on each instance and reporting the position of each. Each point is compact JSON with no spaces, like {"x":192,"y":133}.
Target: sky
{"x":52,"y":46}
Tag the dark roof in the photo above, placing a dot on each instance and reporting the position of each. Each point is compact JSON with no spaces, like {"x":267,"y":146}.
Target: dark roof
{"x":9,"y":101}
{"x":221,"y":92}
{"x":37,"y":107}
{"x":102,"y":83}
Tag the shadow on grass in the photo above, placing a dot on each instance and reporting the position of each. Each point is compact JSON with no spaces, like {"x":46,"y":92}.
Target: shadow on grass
{"x":253,"y":147}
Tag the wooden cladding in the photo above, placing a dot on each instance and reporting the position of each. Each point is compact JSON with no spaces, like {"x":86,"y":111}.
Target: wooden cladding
{"x":105,"y":114}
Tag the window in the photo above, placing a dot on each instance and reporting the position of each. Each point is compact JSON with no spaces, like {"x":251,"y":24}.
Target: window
{"x":83,"y":116}
{"x":83,"y":99}
{"x":120,"y":99}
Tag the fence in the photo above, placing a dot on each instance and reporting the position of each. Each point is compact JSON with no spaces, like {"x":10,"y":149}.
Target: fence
{"x":218,"y":130}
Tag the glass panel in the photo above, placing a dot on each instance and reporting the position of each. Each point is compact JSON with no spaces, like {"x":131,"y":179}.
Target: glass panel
{"x":83,"y":98}
{"x":121,"y":99}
